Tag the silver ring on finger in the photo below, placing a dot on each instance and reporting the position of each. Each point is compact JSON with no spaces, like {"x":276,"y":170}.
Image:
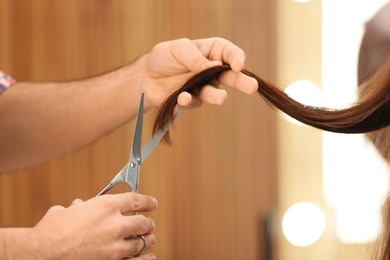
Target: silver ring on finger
{"x":143,"y":248}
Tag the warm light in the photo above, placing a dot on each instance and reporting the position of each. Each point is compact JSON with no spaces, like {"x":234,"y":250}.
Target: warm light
{"x":355,"y":184}
{"x":357,"y":225}
{"x":355,"y":177}
{"x":306,"y":93}
{"x":303,"y":224}
{"x":302,"y":1}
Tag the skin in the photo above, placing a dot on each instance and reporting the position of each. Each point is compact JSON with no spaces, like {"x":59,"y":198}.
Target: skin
{"x":95,"y":229}
{"x":62,"y":117}
{"x":80,"y":112}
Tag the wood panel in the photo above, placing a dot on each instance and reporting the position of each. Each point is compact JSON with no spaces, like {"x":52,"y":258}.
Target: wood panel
{"x":216,"y":183}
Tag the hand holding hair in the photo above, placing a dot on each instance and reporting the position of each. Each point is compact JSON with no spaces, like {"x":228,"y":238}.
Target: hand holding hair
{"x":172,"y":63}
{"x":370,"y":113}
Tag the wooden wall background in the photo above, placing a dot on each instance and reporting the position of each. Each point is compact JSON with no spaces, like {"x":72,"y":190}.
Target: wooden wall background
{"x":216,"y":183}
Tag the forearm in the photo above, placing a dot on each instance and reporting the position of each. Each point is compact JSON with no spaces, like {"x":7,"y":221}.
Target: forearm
{"x":43,"y":121}
{"x":18,"y":243}
{"x":39,"y":122}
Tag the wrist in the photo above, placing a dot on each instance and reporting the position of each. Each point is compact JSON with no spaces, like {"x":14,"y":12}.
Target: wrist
{"x":146,"y":80}
{"x":20,"y":243}
{"x":136,"y":73}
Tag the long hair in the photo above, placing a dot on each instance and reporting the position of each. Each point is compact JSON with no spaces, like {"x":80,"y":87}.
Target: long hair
{"x":369,"y":114}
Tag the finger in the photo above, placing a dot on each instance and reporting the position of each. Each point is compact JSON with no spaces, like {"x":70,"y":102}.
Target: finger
{"x":75,"y":202}
{"x":135,"y":202}
{"x":136,"y":244}
{"x":223,"y":50}
{"x":138,"y":225}
{"x":214,"y":96}
{"x":232,"y":55}
{"x":145,"y":257}
{"x":184,"y":99}
{"x":188,"y":54}
{"x":187,"y":101}
{"x":211,"y":63}
{"x":239,"y":81}
{"x":210,"y":94}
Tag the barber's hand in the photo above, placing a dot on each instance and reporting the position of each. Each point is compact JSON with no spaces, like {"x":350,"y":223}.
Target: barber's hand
{"x":100,"y":228}
{"x":171,"y":63}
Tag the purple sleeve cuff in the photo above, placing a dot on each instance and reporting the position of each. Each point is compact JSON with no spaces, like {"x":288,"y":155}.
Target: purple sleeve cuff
{"x":5,"y":81}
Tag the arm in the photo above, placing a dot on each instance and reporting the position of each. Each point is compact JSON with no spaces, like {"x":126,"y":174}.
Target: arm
{"x":43,"y":121}
{"x":96,"y":229}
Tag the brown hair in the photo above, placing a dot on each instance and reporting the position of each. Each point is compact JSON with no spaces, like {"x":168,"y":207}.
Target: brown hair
{"x":370,"y":113}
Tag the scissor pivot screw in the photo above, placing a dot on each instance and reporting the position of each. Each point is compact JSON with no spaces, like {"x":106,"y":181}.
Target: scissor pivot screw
{"x":132,"y":164}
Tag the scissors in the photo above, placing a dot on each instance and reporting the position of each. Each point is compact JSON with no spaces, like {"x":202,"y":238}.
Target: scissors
{"x":130,"y":172}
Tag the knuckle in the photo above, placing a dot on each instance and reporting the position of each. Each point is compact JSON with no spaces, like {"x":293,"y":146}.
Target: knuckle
{"x":183,"y":40}
{"x":179,"y":42}
{"x":136,"y":202}
{"x":120,"y":228}
{"x":144,"y":224}
{"x":109,"y":202}
{"x":118,"y":251}
{"x":116,"y":227}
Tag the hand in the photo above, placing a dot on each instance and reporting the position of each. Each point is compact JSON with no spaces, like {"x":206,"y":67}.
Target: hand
{"x":98,"y":228}
{"x":171,"y":63}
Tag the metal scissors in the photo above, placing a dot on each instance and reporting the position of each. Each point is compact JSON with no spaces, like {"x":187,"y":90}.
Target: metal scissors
{"x":130,"y":172}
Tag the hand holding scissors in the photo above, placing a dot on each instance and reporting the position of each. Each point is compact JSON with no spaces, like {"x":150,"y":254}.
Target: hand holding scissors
{"x":130,"y":172}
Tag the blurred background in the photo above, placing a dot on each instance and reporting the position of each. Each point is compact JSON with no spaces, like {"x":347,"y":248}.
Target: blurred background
{"x":240,"y":181}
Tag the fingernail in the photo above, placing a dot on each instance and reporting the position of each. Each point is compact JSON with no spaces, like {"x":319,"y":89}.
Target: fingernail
{"x":152,"y":240}
{"x":151,"y":221}
{"x":155,"y":203}
{"x":152,"y":257}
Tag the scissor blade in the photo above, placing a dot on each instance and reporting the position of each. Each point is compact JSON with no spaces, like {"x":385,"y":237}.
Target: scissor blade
{"x":149,"y":146}
{"x":119,"y":178}
{"x":137,"y":138}
{"x":132,"y":172}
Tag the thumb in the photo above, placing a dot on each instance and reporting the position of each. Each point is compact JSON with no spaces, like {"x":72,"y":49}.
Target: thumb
{"x":75,"y":202}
